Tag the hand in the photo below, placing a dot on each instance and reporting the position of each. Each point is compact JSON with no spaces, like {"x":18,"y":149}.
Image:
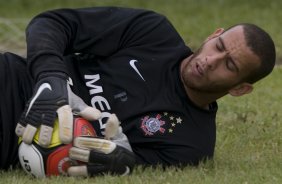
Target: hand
{"x":112,"y":155}
{"x":52,"y":97}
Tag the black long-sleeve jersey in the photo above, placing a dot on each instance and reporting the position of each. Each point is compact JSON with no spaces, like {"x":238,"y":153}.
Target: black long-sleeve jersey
{"x":15,"y":89}
{"x":127,"y":62}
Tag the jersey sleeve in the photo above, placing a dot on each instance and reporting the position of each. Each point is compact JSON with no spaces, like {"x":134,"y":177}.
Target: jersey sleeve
{"x":100,"y":31}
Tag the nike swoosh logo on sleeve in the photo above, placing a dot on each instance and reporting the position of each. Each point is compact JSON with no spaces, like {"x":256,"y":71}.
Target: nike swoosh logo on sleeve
{"x":132,"y":64}
{"x":41,"y":88}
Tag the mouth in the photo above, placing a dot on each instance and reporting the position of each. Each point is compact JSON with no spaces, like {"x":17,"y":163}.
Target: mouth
{"x":199,"y":69}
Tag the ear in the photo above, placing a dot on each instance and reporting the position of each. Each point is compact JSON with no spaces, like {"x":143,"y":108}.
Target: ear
{"x":241,"y":89}
{"x":217,"y":32}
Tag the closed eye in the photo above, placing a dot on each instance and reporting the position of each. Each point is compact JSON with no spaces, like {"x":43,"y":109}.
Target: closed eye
{"x":230,"y":64}
{"x":219,"y":47}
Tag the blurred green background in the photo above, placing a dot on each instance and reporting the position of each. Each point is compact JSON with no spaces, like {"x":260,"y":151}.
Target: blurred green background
{"x":194,"y":19}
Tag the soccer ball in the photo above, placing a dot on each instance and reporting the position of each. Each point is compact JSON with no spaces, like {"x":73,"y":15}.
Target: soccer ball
{"x":54,"y":160}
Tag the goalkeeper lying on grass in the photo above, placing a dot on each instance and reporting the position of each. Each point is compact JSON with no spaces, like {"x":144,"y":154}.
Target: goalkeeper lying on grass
{"x":132,"y":63}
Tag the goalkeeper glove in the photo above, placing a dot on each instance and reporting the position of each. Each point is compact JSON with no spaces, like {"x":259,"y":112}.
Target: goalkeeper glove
{"x":52,"y":97}
{"x":112,"y":155}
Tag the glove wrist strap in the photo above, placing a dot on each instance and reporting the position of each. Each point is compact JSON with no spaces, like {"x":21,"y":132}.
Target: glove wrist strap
{"x":61,"y":75}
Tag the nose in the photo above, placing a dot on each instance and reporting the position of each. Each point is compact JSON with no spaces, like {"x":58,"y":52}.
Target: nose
{"x":212,"y":61}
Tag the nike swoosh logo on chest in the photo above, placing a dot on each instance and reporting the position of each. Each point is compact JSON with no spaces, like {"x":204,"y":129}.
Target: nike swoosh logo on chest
{"x":132,"y":64}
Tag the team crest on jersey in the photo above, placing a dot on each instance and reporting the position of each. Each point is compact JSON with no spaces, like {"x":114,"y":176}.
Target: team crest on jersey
{"x":160,"y":123}
{"x":152,"y":125}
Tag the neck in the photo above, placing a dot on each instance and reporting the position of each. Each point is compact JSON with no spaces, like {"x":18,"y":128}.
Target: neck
{"x":201,"y":99}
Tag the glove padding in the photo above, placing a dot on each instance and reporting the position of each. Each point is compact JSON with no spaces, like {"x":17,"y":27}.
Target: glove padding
{"x":102,"y":156}
{"x":52,"y":97}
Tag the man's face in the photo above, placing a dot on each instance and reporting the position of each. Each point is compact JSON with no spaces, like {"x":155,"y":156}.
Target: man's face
{"x":220,"y":64}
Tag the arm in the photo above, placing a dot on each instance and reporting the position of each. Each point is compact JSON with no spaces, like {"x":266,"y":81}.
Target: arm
{"x":99,"y":31}
{"x":54,"y":34}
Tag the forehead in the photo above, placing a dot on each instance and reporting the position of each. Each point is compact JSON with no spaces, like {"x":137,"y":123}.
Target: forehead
{"x":235,"y":43}
{"x":234,"y":39}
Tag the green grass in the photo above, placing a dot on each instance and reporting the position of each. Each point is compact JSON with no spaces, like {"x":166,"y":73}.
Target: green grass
{"x":249,"y":128}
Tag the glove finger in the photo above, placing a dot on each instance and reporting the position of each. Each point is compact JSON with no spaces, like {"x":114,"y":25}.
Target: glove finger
{"x":113,"y":131}
{"x":65,"y":118}
{"x":89,"y":156}
{"x":121,"y":139}
{"x":45,"y":136}
{"x":90,"y":143}
{"x":81,"y":108}
{"x":78,"y":171}
{"x":29,"y":133}
{"x":89,"y":113}
{"x":79,"y":154}
{"x":112,"y":126}
{"x":20,"y":128}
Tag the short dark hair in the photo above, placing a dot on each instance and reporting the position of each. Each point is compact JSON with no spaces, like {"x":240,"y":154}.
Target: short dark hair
{"x":260,"y":42}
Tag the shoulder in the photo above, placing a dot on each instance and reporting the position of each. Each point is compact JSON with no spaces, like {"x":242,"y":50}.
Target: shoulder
{"x":106,"y":11}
